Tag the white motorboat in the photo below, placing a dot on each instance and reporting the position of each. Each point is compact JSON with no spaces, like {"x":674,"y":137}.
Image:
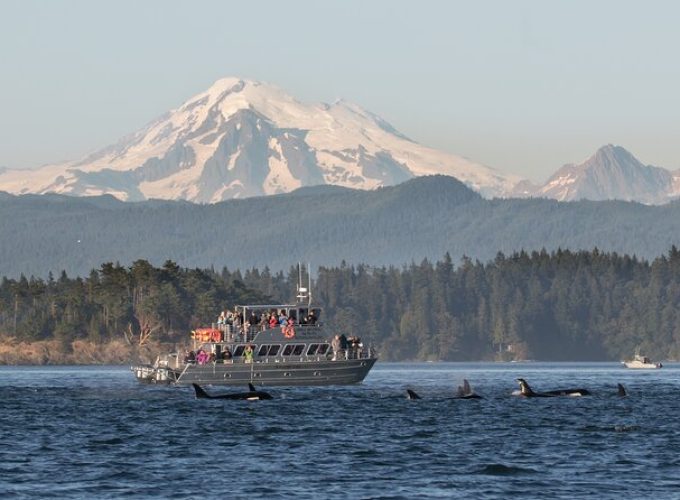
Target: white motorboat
{"x":641,"y":363}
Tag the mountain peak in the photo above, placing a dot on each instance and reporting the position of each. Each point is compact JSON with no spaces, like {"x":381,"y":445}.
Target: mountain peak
{"x":611,"y":154}
{"x":226,"y":82}
{"x":244,"y":138}
{"x":612,"y":172}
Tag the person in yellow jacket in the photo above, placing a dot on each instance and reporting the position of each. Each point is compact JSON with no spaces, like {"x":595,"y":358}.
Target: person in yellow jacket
{"x":248,"y":354}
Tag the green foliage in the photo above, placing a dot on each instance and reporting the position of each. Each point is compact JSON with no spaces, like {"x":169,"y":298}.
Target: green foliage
{"x":561,"y":305}
{"x":551,"y":306}
{"x":138,"y":303}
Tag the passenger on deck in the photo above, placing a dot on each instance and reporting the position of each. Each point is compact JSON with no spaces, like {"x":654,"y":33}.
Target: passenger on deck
{"x":273,"y":320}
{"x":248,"y":354}
{"x":253,"y":319}
{"x":226,"y":354}
{"x":335,"y":345}
{"x":354,"y":346}
{"x":222,"y":318}
{"x":343,"y":345}
{"x":283,"y":319}
{"x":190,"y":357}
{"x":201,"y":357}
{"x":311,"y":318}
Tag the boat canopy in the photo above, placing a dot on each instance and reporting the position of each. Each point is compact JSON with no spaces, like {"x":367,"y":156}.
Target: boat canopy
{"x":298,"y":312}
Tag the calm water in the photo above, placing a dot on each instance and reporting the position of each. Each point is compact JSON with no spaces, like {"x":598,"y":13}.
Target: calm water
{"x":95,"y":433}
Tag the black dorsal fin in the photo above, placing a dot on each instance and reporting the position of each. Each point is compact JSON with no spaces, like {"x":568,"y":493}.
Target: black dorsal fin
{"x":525,"y":387}
{"x":200,"y":393}
{"x":467,"y":390}
{"x":251,"y":387}
{"x":622,"y":393}
{"x":412,"y":394}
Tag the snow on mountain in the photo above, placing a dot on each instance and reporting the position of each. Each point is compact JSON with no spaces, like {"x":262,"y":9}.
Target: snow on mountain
{"x":245,"y":138}
{"x":612,"y":173}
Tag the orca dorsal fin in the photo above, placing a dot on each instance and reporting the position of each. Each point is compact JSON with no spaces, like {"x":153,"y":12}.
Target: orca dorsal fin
{"x":525,"y":387}
{"x":622,"y":393}
{"x":460,"y":392}
{"x":467,"y":390}
{"x":200,"y":393}
{"x":251,"y":387}
{"x":412,"y":394}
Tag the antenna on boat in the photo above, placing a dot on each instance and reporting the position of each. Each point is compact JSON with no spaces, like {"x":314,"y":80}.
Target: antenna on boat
{"x":302,"y":292}
{"x":309,"y":279}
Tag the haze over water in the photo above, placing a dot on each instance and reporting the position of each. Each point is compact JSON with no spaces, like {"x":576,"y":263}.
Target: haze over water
{"x":82,"y":432}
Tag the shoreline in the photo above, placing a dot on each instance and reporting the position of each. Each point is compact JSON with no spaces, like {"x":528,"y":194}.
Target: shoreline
{"x":14,"y":352}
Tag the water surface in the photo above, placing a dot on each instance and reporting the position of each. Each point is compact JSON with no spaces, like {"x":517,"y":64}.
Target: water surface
{"x":94,"y":432}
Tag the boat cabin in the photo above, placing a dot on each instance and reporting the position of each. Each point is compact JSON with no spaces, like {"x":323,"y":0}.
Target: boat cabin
{"x":265,"y":352}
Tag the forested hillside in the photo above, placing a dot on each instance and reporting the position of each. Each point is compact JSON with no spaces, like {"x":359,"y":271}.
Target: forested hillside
{"x":422,"y":218}
{"x":561,"y":305}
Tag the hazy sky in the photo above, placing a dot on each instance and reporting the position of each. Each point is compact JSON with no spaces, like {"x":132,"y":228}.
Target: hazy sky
{"x":522,"y":86}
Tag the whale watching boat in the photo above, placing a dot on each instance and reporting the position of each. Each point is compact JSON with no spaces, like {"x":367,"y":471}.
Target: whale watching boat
{"x":269,"y":345}
{"x":641,"y":363}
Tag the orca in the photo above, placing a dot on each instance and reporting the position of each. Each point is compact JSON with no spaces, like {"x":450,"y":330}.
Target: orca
{"x":412,"y":395}
{"x":251,"y":395}
{"x":528,"y":392}
{"x":622,"y":393}
{"x":466,"y":392}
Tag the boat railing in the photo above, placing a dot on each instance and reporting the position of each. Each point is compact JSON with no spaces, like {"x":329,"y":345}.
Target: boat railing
{"x":234,"y":333}
{"x":353,"y":353}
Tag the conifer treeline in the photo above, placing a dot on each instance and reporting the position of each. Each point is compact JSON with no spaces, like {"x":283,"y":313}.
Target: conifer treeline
{"x":551,"y":306}
{"x":138,"y":303}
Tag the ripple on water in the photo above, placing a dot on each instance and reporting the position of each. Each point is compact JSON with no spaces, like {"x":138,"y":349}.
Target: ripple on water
{"x":99,"y":434}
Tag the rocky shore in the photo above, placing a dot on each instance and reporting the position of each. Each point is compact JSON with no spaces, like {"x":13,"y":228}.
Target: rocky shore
{"x":79,"y":352}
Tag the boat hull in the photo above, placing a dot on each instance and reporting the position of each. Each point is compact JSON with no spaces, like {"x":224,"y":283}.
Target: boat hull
{"x":637,"y":365}
{"x":306,"y":373}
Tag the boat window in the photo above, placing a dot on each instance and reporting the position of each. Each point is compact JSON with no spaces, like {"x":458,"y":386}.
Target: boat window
{"x":298,"y":349}
{"x":274,"y":350}
{"x":263,"y":350}
{"x":288,"y":350}
{"x":312,"y":349}
{"x":239,"y":350}
{"x":323,"y":349}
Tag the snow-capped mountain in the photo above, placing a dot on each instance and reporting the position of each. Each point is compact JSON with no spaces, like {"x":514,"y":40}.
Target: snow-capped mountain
{"x":612,"y":173}
{"x":245,"y":138}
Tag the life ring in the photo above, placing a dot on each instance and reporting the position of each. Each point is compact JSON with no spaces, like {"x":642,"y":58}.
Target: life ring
{"x":288,"y":332}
